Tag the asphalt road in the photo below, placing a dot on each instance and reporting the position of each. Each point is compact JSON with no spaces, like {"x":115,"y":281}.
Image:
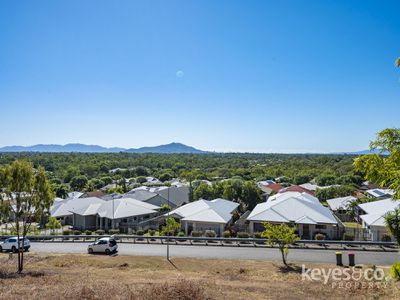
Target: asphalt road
{"x":217,"y":252}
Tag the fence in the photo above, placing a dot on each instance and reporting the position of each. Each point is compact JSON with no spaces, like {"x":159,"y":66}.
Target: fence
{"x":217,"y":241}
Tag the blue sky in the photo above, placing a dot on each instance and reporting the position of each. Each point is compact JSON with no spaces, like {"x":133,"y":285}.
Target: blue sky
{"x":258,"y":76}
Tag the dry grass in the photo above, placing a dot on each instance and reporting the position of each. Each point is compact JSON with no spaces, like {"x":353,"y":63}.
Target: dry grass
{"x":129,"y":277}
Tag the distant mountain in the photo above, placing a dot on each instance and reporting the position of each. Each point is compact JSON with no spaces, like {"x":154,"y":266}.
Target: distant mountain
{"x":61,"y":148}
{"x":169,"y":148}
{"x":363,"y":152}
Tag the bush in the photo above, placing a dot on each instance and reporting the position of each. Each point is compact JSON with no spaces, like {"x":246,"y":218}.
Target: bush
{"x":139,"y":232}
{"x":196,"y":233}
{"x":348,"y":237}
{"x":242,"y":235}
{"x":88,"y":232}
{"x":226,"y":234}
{"x":66,"y":232}
{"x":210,"y":233}
{"x":77,"y":232}
{"x":257,"y":235}
{"x":151,"y":232}
{"x":319,"y":237}
{"x":113,"y":231}
{"x":181,"y":234}
{"x":386,"y":238}
{"x":100,"y":232}
{"x":395,"y":270}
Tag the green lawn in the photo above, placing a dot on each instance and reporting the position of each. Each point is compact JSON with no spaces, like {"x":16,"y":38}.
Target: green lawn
{"x":351,"y":224}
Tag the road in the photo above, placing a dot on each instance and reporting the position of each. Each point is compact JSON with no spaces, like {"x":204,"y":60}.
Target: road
{"x":217,"y":252}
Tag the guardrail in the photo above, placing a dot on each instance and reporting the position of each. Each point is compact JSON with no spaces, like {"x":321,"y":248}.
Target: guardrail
{"x":217,"y":241}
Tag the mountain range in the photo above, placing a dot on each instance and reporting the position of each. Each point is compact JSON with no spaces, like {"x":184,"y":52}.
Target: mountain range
{"x":168,"y":148}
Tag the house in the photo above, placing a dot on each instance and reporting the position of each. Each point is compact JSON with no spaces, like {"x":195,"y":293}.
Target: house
{"x":372,"y":217}
{"x":97,"y":194}
{"x":74,"y":195}
{"x":298,"y":209}
{"x":124,"y":214}
{"x":59,"y":209}
{"x":269,"y":189}
{"x":340,"y":207}
{"x":149,"y":197}
{"x":202,"y":215}
{"x":296,"y":188}
{"x":380,"y":193}
{"x":177,"y":195}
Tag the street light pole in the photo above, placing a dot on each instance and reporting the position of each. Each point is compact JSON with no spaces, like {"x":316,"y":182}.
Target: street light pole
{"x":168,"y":225}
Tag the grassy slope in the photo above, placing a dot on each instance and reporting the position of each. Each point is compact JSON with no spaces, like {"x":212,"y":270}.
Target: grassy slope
{"x":127,"y":277}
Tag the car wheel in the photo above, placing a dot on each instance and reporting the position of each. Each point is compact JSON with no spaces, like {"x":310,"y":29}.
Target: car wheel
{"x":90,"y":251}
{"x":107,"y":251}
{"x":1,"y":249}
{"x":13,"y":249}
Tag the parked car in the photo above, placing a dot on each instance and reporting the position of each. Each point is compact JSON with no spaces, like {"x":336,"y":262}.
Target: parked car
{"x":11,"y":244}
{"x":105,"y":245}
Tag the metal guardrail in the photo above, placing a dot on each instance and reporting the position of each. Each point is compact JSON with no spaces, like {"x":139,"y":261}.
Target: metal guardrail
{"x":219,"y":241}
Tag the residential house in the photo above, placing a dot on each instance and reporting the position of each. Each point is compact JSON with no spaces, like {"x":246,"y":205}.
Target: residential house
{"x":372,"y":217}
{"x":298,"y":209}
{"x":177,"y":195}
{"x":149,"y":197}
{"x":202,"y":215}
{"x":296,"y":188}
{"x":340,"y":207}
{"x":380,"y":193}
{"x":269,"y":189}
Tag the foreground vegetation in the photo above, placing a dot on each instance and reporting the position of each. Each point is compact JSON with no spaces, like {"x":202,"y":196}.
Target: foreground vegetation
{"x":123,"y":277}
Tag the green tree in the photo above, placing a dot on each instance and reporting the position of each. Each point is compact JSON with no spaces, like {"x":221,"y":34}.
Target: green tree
{"x":78,"y":183}
{"x":383,"y":168}
{"x":251,"y":194}
{"x":334,"y":192}
{"x":392,"y":221}
{"x":397,"y":62}
{"x":281,"y":236}
{"x":27,"y":194}
{"x":203,"y":191}
{"x":141,"y":179}
{"x":61,"y":190}
{"x":232,"y":189}
{"x":53,"y":224}
{"x":324,"y":180}
{"x":171,"y":227}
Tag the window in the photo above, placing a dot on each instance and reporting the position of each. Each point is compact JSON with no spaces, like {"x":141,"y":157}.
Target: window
{"x":318,"y":226}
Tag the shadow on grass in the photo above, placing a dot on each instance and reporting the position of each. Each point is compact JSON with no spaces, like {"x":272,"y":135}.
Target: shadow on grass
{"x":7,"y":274}
{"x":290,"y":269}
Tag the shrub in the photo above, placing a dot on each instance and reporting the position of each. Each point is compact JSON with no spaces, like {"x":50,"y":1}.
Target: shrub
{"x":88,"y":232}
{"x":196,"y":233}
{"x":113,"y":231}
{"x":66,"y":232}
{"x":151,"y":232}
{"x":395,"y":270}
{"x":226,"y":234}
{"x":257,"y":235}
{"x":77,"y":232}
{"x":139,"y":232}
{"x":386,"y":238}
{"x":100,"y":232}
{"x":181,"y":234}
{"x":348,"y":237}
{"x":319,"y":237}
{"x":242,"y":235}
{"x":210,"y":233}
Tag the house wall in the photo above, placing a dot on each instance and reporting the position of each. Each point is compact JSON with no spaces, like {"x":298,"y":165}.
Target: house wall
{"x":376,"y":233}
{"x":330,"y":231}
{"x":84,"y":222}
{"x":188,"y":227}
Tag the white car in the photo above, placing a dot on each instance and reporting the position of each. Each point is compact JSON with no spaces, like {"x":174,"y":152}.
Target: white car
{"x":105,"y":245}
{"x":11,"y":244}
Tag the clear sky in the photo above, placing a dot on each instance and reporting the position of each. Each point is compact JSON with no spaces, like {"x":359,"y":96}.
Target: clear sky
{"x":259,"y":76}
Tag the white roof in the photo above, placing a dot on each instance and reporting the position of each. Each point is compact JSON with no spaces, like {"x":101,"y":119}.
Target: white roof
{"x":214,"y":211}
{"x":340,"y":203}
{"x":123,"y":207}
{"x":376,"y":210}
{"x":296,"y":207}
{"x":378,"y":193}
